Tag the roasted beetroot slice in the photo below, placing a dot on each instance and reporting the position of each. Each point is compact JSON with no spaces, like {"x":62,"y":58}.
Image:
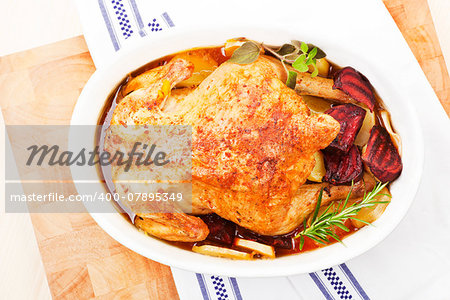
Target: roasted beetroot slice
{"x":281,"y":241}
{"x":356,"y":85}
{"x":381,"y":155}
{"x":342,"y":168}
{"x":220,"y":230}
{"x":350,"y":117}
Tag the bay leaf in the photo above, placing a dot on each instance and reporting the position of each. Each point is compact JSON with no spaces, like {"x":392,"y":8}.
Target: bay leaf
{"x":245,"y":54}
{"x":286,"y":49}
{"x":291,"y":58}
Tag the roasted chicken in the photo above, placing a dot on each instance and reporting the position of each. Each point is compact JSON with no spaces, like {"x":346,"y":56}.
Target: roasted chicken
{"x":253,"y":141}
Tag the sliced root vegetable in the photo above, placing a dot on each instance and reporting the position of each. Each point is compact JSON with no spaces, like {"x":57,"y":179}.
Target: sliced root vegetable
{"x":371,"y":214}
{"x":262,"y":249}
{"x":343,"y":168}
{"x":220,"y":230}
{"x":381,"y":156}
{"x":319,"y":168}
{"x":350,"y":118}
{"x":355,"y":85}
{"x":364,"y":133}
{"x":221,"y":252}
{"x":387,"y":124}
{"x":316,"y":104}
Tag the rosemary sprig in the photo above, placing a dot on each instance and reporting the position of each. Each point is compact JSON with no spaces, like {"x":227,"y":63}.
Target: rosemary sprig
{"x":320,"y":228}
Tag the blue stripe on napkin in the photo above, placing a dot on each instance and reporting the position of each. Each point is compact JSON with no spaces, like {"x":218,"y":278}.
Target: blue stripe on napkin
{"x":168,"y":20}
{"x":111,"y":31}
{"x":338,"y":283}
{"x":235,"y":288}
{"x":334,"y":283}
{"x":217,"y":288}
{"x":353,"y":281}
{"x":203,"y":289}
{"x":321,"y":286}
{"x":137,"y":16}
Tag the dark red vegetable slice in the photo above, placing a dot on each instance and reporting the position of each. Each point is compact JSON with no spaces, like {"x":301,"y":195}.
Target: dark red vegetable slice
{"x":356,"y":85}
{"x":281,"y":241}
{"x":342,"y":168}
{"x":350,"y":117}
{"x":220,"y":229}
{"x":381,"y":155}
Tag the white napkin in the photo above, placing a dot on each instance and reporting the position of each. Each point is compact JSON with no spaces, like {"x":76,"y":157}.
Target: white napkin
{"x":413,"y":262}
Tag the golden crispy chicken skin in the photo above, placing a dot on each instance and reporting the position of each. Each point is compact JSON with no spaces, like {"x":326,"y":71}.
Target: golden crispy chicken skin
{"x":252,"y":144}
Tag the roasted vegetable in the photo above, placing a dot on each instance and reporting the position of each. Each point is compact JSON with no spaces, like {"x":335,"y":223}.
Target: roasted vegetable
{"x":323,"y":67}
{"x":381,"y":156}
{"x":283,"y":241}
{"x":221,"y":252}
{"x":320,"y":87}
{"x":355,"y":85}
{"x":220,"y":230}
{"x":262,"y":249}
{"x":350,"y":117}
{"x":319,"y":168}
{"x":372,"y":213}
{"x":364,"y":133}
{"x":385,"y":116}
{"x":343,"y":168}
{"x":316,"y":104}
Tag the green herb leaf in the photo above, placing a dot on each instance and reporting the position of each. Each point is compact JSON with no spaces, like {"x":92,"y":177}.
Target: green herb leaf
{"x":302,"y":242}
{"x":292,"y":79}
{"x":299,"y":64}
{"x":304,"y":47}
{"x":245,"y":54}
{"x":299,"y":54}
{"x":319,"y":229}
{"x":320,"y":54}
{"x":342,"y":226}
{"x":312,"y":53}
{"x":319,"y":203}
{"x":315,"y":72}
{"x":286,"y":49}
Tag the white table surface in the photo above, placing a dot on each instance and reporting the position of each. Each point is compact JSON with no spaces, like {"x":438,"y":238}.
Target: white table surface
{"x":27,"y":24}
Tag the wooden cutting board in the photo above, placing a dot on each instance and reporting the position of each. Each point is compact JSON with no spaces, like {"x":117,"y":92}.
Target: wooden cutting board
{"x":41,"y":86}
